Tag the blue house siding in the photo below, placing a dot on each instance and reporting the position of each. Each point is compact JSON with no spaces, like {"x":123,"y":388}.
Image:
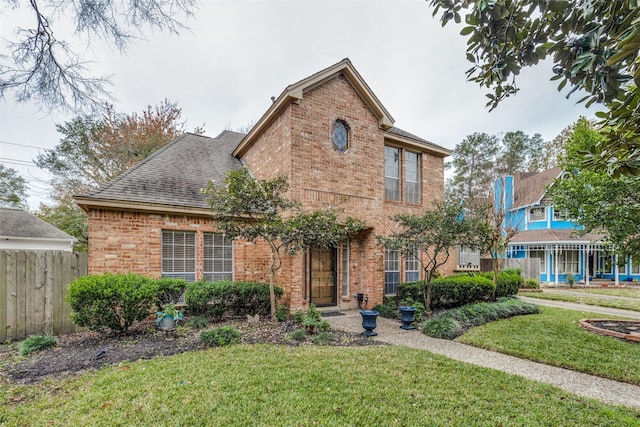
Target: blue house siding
{"x":552,"y":235}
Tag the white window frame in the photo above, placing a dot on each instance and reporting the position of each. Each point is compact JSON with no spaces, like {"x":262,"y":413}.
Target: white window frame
{"x":392,"y":263}
{"x":560,"y":215}
{"x":533,"y":213}
{"x":178,"y":254}
{"x":412,"y":267}
{"x":635,"y":266}
{"x":344,"y":262}
{"x":217,"y":257}
{"x":568,"y":264}
{"x":412,"y":191}
{"x":392,"y":163}
{"x":468,"y":256}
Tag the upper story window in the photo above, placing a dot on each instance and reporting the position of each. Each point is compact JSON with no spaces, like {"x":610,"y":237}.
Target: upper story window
{"x":537,"y":214}
{"x":392,"y":173}
{"x":412,"y":177}
{"x":401,"y":175}
{"x":340,"y":136}
{"x":559,"y":215}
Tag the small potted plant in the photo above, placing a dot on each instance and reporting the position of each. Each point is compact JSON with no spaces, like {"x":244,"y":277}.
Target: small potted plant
{"x":167,"y":318}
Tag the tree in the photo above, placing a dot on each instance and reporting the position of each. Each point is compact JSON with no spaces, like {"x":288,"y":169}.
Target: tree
{"x":434,"y":234}
{"x":594,"y":47}
{"x":46,"y":70}
{"x":252,"y":209}
{"x":67,"y":216}
{"x":96,"y":149}
{"x":480,"y":157}
{"x":473,"y":162}
{"x":13,"y":188}
{"x":600,"y":203}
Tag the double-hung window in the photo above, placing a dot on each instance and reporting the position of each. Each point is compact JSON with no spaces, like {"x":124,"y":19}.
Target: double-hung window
{"x":412,"y":177}
{"x":412,"y":267}
{"x":179,"y":255}
{"x":537,"y":214}
{"x":391,"y":271}
{"x":217,"y":257}
{"x":392,"y":173}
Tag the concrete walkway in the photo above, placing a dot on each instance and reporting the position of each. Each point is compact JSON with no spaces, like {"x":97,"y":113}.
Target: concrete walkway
{"x":581,"y":384}
{"x":583,"y":307}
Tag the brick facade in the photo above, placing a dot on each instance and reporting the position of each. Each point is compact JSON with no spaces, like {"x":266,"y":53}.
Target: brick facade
{"x":296,"y":141}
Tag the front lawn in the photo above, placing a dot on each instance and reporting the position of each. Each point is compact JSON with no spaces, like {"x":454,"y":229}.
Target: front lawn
{"x":586,"y":299}
{"x":555,"y":338}
{"x":269,"y":385}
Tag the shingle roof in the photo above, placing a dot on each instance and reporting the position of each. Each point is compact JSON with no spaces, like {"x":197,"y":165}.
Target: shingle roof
{"x":553,"y":235}
{"x":529,"y":188}
{"x":175,"y":174}
{"x":397,"y":131}
{"x":20,"y":223}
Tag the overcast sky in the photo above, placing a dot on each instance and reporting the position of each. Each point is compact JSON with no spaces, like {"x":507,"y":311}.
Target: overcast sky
{"x":237,"y":54}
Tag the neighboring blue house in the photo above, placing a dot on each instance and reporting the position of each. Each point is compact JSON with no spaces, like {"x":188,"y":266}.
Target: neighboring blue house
{"x":548,"y":235}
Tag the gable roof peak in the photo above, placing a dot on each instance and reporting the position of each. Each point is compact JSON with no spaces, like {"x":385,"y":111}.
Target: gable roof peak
{"x":295,"y":92}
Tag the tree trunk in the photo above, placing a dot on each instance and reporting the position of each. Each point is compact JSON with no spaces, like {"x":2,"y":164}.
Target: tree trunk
{"x":272,"y":293}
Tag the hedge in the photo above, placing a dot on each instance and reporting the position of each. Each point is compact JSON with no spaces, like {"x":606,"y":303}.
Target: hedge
{"x":111,"y":301}
{"x":509,"y":282}
{"x":449,"y":292}
{"x":214,"y":299}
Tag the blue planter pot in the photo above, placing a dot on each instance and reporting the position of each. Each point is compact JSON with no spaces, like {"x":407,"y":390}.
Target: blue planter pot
{"x":369,"y":322}
{"x":407,"y":317}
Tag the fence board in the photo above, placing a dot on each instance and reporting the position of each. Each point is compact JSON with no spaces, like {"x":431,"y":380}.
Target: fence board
{"x":3,"y":295}
{"x":32,"y":289}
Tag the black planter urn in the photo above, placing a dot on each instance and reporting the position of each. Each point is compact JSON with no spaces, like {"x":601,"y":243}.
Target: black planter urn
{"x":369,"y":322}
{"x":407,"y":317}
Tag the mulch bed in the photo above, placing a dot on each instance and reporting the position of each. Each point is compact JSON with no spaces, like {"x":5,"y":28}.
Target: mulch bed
{"x":90,"y":350}
{"x":623,"y":329}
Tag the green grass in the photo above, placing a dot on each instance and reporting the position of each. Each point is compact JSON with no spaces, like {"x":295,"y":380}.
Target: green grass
{"x":588,"y":300}
{"x":555,"y":338}
{"x":290,"y":386}
{"x":618,"y":292}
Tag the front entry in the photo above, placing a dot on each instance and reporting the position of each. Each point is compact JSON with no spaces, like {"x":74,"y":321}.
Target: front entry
{"x":323,"y":276}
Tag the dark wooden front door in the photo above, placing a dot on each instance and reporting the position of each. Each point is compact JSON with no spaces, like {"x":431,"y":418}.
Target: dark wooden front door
{"x":323,"y":276}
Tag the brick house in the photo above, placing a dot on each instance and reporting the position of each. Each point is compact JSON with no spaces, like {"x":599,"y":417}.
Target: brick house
{"x":336,"y":143}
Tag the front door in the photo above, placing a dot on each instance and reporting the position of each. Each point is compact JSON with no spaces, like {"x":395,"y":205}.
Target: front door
{"x":323,"y":276}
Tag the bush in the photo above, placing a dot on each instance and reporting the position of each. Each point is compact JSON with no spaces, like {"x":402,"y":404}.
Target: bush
{"x":35,"y":343}
{"x":452,"y":323}
{"x":111,"y":301}
{"x":298,"y":317}
{"x":170,"y":290}
{"x":456,"y":291}
{"x":197,"y":322}
{"x":531,"y":284}
{"x":509,"y":282}
{"x":322,"y":338}
{"x":282,"y":313}
{"x":214,"y":299}
{"x":219,"y":337}
{"x":299,"y":335}
{"x":386,"y":311}
{"x":441,"y":327}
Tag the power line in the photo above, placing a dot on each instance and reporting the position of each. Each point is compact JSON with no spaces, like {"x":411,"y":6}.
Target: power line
{"x":22,"y":145}
{"x":17,"y":161}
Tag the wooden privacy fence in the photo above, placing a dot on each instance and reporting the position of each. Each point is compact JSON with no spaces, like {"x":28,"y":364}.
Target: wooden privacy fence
{"x":32,"y":289}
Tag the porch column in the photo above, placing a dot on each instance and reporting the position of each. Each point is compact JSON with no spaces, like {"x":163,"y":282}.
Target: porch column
{"x":555,"y":261}
{"x":586,"y":266}
{"x":615,"y":269}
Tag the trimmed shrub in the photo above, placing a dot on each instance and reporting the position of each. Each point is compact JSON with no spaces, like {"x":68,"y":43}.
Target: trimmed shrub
{"x":282,"y":312}
{"x":214,"y":299}
{"x":111,"y":301}
{"x":531,"y":284}
{"x":219,"y":337}
{"x":386,"y":311}
{"x":509,"y":281}
{"x":170,"y":290}
{"x":449,"y":292}
{"x":441,"y":327}
{"x":456,"y":291}
{"x":452,"y":323}
{"x":35,"y":343}
{"x":298,"y":317}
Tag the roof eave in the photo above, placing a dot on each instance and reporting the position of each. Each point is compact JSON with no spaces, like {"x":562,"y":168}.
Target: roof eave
{"x":410,"y":143}
{"x":87,"y":203}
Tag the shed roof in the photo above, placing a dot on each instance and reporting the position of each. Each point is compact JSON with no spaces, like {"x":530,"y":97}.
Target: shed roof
{"x":18,"y":223}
